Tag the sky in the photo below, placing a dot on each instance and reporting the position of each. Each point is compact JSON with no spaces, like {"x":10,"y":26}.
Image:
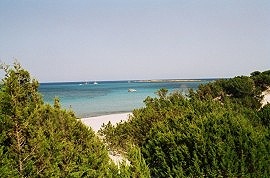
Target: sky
{"x":93,"y":40}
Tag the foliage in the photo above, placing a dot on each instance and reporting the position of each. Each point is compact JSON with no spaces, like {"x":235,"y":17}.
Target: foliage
{"x":137,"y":128}
{"x":220,"y":143}
{"x":39,"y":140}
{"x":241,"y":90}
{"x":218,"y":131}
{"x":264,"y":115}
{"x":137,"y":167}
{"x":261,"y":79}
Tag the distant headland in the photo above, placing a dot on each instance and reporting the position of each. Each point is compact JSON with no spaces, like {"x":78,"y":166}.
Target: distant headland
{"x":169,"y":80}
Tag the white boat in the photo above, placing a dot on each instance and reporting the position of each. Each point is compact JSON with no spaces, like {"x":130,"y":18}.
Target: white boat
{"x":131,"y":90}
{"x":85,"y":83}
{"x":95,"y":83}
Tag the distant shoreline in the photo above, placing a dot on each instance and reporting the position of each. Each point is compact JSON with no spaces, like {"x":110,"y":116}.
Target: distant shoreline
{"x":169,"y":80}
{"x":134,"y":80}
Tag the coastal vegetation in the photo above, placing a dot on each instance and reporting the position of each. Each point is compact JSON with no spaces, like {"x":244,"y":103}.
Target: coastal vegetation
{"x":39,"y":140}
{"x":219,"y":130}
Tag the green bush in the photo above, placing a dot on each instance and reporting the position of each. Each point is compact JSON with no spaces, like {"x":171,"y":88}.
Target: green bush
{"x":39,"y":140}
{"x":219,"y":144}
{"x":217,"y":131}
{"x":264,"y":115}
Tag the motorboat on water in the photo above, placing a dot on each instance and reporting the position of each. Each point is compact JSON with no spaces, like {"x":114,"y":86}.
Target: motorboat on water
{"x":84,"y":83}
{"x":131,"y":90}
{"x":95,"y":83}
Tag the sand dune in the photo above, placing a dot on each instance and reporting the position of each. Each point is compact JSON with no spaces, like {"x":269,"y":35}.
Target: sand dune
{"x":266,"y":97}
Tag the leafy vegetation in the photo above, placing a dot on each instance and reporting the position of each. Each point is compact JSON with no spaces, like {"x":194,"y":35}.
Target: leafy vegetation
{"x":262,"y":80}
{"x":39,"y":140}
{"x":219,"y":130}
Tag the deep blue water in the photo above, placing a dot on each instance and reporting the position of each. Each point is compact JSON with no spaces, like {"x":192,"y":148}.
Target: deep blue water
{"x":107,"y":97}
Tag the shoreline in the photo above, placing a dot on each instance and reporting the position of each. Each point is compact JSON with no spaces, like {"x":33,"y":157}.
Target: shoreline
{"x":104,"y":113}
{"x":96,"y":122}
{"x":169,"y":80}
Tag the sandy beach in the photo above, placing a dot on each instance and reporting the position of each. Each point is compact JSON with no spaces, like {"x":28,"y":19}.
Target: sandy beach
{"x":266,"y":97}
{"x":96,"y":122}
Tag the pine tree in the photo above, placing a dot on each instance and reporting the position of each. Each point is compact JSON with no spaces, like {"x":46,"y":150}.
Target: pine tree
{"x":38,"y":140}
{"x":19,"y":97}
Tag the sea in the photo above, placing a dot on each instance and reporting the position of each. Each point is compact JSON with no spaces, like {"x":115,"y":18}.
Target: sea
{"x":89,"y":99}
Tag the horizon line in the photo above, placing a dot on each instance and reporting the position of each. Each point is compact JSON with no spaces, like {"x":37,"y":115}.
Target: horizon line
{"x":142,"y":80}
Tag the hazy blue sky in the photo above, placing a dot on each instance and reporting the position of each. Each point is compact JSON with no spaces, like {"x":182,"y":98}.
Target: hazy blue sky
{"x":71,"y":40}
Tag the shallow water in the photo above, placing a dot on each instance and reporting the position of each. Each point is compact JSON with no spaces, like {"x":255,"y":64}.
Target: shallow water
{"x":107,"y":97}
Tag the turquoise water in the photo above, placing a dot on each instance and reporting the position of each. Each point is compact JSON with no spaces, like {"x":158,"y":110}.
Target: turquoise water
{"x":107,"y":97}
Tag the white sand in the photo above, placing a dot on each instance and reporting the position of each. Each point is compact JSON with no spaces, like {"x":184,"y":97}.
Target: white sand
{"x":266,"y":97}
{"x":96,"y":122}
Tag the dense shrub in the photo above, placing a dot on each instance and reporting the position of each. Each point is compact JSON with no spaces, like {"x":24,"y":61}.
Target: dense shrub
{"x":219,"y":144}
{"x":218,"y":131}
{"x":261,"y":79}
{"x":264,"y":115}
{"x":39,"y":140}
